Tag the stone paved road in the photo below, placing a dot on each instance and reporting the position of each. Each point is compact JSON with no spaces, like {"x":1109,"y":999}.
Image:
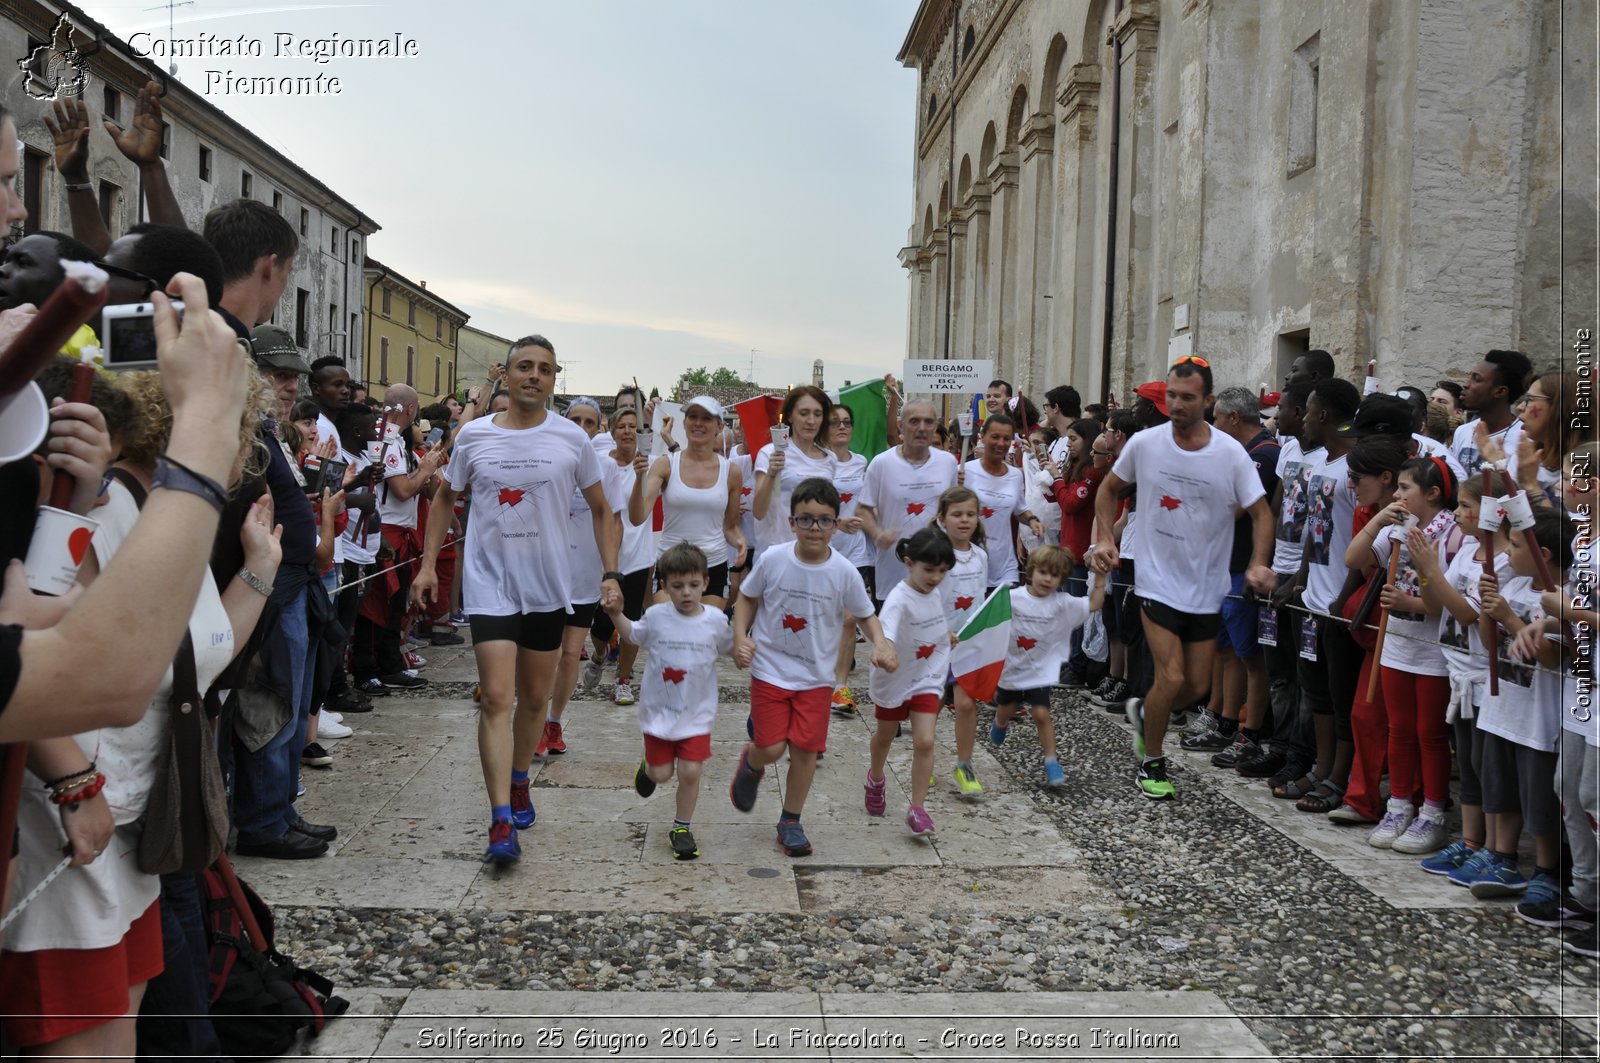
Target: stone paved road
{"x":1224,"y":924}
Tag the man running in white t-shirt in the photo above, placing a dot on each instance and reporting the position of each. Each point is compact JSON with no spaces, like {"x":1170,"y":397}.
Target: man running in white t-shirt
{"x":1193,"y":482}
{"x":523,"y":466}
{"x":901,"y":492}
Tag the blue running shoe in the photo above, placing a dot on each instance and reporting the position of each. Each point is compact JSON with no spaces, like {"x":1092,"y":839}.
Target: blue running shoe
{"x":1054,"y":777}
{"x":1475,"y":865}
{"x":503,"y":848}
{"x":746,"y":785}
{"x":1541,"y":901}
{"x":997,"y":734}
{"x":1449,"y":858}
{"x":522,"y":812}
{"x":791,"y":839}
{"x":1500,"y":879}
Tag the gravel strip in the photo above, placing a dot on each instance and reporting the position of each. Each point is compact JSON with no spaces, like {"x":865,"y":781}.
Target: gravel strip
{"x":1207,"y":898}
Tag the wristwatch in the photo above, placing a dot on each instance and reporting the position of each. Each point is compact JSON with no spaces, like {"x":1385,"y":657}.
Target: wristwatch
{"x":255,"y":582}
{"x":173,"y":476}
{"x":617,"y":576}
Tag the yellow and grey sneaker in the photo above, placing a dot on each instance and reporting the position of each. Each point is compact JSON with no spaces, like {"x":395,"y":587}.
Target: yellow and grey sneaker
{"x":967,"y":781}
{"x":683,"y":844}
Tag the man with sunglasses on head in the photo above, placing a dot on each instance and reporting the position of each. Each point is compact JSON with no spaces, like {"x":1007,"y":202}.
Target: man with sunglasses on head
{"x":1195,"y":480}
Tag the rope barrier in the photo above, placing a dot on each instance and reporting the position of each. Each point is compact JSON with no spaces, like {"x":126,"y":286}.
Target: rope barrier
{"x":338,"y":587}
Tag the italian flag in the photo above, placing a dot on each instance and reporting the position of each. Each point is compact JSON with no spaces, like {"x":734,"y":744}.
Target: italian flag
{"x":980,"y":653}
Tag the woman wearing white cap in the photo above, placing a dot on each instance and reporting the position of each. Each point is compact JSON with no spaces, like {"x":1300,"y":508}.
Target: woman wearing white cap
{"x":699,"y":489}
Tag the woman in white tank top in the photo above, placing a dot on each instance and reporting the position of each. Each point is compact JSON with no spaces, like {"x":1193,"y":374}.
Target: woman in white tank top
{"x":700,"y":492}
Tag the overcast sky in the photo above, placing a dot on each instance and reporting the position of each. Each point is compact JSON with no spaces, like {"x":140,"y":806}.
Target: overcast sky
{"x":655,"y":186}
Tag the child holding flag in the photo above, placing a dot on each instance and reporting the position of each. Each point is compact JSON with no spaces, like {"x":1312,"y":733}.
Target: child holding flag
{"x":1040,"y":636}
{"x":917,"y":626}
{"x":963,"y":594}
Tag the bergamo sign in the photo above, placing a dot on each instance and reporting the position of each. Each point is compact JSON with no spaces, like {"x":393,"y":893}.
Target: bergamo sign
{"x":969,"y":377}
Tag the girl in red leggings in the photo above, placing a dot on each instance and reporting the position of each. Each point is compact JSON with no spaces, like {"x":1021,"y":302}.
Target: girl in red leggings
{"x":1413,"y":672}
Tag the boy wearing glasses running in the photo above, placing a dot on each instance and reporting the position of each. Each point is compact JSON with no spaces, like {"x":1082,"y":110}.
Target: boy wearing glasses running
{"x":786,"y":630}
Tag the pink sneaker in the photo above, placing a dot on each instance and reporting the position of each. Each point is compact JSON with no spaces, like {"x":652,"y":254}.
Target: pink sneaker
{"x":918,"y":821}
{"x":877,"y":796}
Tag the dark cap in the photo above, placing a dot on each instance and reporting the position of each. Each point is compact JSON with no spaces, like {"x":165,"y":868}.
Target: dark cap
{"x":276,"y":349}
{"x":1380,"y":415}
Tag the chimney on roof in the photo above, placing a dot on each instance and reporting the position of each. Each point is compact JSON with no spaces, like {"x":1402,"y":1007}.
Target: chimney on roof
{"x":423,"y":285}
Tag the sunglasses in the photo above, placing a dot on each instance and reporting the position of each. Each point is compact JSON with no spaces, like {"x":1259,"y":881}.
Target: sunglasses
{"x":1100,"y":453}
{"x":149,"y":284}
{"x":844,"y":423}
{"x":1193,"y":359}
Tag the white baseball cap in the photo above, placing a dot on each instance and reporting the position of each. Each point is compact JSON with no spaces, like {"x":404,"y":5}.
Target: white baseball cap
{"x":706,"y":403}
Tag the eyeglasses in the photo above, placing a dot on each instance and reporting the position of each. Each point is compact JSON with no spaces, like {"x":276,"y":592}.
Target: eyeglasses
{"x":1532,"y":397}
{"x":1193,"y":359}
{"x":150,"y":284}
{"x":846,"y":423}
{"x":810,"y":523}
{"x":1099,"y":453}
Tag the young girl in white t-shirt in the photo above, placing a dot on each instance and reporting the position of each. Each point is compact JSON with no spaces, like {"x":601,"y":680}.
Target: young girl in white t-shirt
{"x":916,"y":624}
{"x":1042,"y":622}
{"x":963,"y":593}
{"x":1412,"y":670}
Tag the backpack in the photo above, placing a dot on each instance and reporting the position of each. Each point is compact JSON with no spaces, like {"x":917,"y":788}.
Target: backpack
{"x":260,"y":1001}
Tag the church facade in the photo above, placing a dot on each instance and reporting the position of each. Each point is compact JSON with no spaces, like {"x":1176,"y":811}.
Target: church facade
{"x":1103,"y":186}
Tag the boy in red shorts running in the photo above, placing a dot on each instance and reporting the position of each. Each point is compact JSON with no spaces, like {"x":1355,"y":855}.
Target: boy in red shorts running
{"x":683,"y":639}
{"x":786,"y":630}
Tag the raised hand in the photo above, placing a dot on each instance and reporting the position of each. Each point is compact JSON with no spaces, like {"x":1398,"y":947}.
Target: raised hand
{"x":141,"y":141}
{"x":70,"y":130}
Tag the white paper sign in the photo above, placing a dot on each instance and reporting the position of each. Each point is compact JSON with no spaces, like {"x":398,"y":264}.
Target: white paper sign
{"x":673,"y":410}
{"x":970,"y":377}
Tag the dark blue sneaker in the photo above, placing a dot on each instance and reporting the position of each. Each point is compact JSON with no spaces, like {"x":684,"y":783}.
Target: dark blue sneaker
{"x":791,"y":839}
{"x":503,"y":848}
{"x":522,"y":812}
{"x":1449,"y":858}
{"x":643,"y":785}
{"x":1499,"y":879}
{"x":1474,"y":866}
{"x":997,"y":734}
{"x":746,"y":783}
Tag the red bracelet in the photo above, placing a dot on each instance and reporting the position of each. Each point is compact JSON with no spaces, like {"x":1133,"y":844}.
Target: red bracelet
{"x":81,"y":795}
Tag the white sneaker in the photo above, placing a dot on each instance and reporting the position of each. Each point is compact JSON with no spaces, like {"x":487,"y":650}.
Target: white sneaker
{"x":1426,"y":833}
{"x":329,"y":714}
{"x":591,"y":675}
{"x":624,"y":694}
{"x":1394,"y":823}
{"x":327,"y":728}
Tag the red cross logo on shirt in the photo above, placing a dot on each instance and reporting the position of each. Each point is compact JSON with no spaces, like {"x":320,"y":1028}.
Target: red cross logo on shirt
{"x":964,"y":602}
{"x":924,"y":652}
{"x":987,"y":512}
{"x":1025,"y":643}
{"x":915,"y":508}
{"x":510,"y":496}
{"x":1170,"y":503}
{"x":796,"y":624}
{"x":673,"y":675}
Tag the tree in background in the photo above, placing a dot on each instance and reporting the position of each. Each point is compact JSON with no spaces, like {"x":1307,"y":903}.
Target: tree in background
{"x":694,"y":381}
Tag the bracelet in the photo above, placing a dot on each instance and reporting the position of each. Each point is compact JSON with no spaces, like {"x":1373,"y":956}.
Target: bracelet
{"x":72,"y":798}
{"x":174,"y":475}
{"x":255,"y":582}
{"x":87,"y":186}
{"x":86,"y":773}
{"x":611,"y":576}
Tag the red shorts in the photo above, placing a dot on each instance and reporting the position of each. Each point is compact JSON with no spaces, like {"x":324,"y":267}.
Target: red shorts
{"x":799,"y":717}
{"x":928,"y":703}
{"x":659,"y":751}
{"x":56,"y":992}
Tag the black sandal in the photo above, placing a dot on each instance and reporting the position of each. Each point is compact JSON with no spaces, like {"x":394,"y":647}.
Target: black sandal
{"x":1324,"y":799}
{"x":1298,"y":788}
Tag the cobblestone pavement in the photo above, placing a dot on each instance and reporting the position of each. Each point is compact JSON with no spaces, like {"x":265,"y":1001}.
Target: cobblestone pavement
{"x":1225,"y":922}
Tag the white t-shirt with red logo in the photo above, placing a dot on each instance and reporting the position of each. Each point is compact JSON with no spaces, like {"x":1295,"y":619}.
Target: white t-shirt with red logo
{"x":1041,"y":637}
{"x":518,"y":552}
{"x":587,"y":567}
{"x":397,"y":512}
{"x":801,"y":617}
{"x":919,"y":627}
{"x":1187,"y":503}
{"x":798,"y":466}
{"x":848,"y":477}
{"x":905,"y":498}
{"x":999,"y":498}
{"x":965,"y":585}
{"x":679,"y":696}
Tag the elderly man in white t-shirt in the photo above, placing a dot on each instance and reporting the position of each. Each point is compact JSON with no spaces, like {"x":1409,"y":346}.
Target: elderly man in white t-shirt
{"x":1194,"y":481}
{"x":901,"y":492}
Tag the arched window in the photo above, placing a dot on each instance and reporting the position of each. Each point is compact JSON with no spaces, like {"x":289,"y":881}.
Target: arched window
{"x":967,"y":42}
{"x":933,"y":106}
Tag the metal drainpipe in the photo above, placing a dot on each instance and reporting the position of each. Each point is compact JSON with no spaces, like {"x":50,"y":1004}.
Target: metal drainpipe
{"x":1111,"y":209}
{"x":367,"y":358}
